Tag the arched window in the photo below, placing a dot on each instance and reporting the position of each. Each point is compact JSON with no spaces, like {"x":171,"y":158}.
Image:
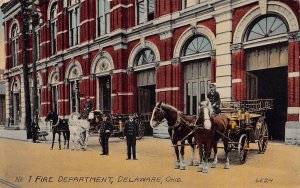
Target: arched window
{"x":266,"y":26}
{"x":197,"y":44}
{"x":145,"y":56}
{"x":14,"y":44}
{"x":53,"y":23}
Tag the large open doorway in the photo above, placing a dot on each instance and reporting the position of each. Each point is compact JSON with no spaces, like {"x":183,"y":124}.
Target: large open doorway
{"x":146,"y":99}
{"x":104,"y":94}
{"x":272,"y":84}
{"x":146,"y":95}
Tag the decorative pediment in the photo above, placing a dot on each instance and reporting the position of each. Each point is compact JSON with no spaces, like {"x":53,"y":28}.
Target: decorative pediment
{"x":103,"y":65}
{"x":74,"y":73}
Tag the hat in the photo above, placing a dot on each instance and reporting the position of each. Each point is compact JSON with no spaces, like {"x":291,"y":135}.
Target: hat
{"x":212,"y":85}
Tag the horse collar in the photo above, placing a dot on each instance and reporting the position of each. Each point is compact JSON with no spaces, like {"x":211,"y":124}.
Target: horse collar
{"x":178,"y":119}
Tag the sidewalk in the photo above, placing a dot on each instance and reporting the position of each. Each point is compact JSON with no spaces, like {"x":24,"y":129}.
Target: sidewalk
{"x":18,"y":135}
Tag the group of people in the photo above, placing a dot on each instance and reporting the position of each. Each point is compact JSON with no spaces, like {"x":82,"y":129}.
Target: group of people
{"x":130,"y":127}
{"x":106,"y":128}
{"x":130,"y":132}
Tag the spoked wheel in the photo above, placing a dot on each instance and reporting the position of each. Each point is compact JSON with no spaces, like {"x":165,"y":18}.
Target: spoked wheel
{"x":263,"y":138}
{"x":141,"y":130}
{"x":243,"y":148}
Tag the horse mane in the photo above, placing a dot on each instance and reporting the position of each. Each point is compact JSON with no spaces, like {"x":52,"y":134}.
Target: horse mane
{"x":169,"y":107}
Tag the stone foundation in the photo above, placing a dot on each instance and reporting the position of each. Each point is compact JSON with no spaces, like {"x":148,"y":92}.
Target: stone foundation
{"x":292,"y":133}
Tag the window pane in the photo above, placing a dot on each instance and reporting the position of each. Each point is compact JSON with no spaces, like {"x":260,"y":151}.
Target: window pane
{"x":197,"y":45}
{"x":107,"y":6}
{"x":189,"y":3}
{"x":267,"y":26}
{"x":141,"y":12}
{"x":102,"y":28}
{"x":107,"y":17}
{"x":151,"y":8}
{"x":195,"y":93}
{"x":188,"y":98}
{"x":144,"y":57}
{"x":100,"y":8}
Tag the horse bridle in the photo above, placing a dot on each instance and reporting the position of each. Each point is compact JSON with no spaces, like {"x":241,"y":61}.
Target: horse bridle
{"x":161,"y":113}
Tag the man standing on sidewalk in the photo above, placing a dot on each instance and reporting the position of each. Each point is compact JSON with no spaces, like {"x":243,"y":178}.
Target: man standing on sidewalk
{"x":130,"y":131}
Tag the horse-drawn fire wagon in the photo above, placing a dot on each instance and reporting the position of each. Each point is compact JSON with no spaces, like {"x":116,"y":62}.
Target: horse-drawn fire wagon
{"x":248,"y":123}
{"x":118,"y":121}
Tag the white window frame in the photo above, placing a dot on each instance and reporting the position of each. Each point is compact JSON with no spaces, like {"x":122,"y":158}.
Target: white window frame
{"x":106,"y":18}
{"x":146,"y":11}
{"x":38,"y":44}
{"x":53,"y":28}
{"x":15,"y":45}
{"x":196,"y":2}
{"x":74,"y":12}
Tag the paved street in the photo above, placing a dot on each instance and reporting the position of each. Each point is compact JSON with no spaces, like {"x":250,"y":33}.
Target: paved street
{"x":26,"y":164}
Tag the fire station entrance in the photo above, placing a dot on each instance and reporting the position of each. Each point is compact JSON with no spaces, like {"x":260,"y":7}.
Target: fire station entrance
{"x":197,"y":75}
{"x":146,"y":91}
{"x":267,"y":78}
{"x":104,"y":94}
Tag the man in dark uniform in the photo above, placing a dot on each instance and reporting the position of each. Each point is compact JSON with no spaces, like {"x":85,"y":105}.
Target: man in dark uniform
{"x":104,"y":132}
{"x":130,"y":131}
{"x":34,"y":128}
{"x":87,"y":109}
{"x":214,"y":98}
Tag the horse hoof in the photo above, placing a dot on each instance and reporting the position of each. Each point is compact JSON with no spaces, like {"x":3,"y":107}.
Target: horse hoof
{"x":182,"y":168}
{"x":177,"y":167}
{"x":200,"y":169}
{"x":226,"y":167}
{"x":51,"y":148}
{"x":59,"y":148}
{"x":204,"y":171}
{"x":213,"y":165}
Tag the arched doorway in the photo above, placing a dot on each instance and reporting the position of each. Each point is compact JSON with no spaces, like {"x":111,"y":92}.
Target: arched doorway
{"x":74,"y":81}
{"x":53,"y":84}
{"x":146,"y":80}
{"x":15,"y":108}
{"x":197,"y":71}
{"x":267,"y":68}
{"x":102,"y":68}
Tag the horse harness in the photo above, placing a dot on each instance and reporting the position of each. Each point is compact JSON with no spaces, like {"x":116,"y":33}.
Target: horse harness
{"x":182,"y":121}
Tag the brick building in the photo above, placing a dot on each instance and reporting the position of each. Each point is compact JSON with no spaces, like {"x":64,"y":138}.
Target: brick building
{"x":128,"y":54}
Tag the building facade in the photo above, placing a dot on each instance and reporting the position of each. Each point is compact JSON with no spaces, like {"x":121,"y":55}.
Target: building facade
{"x":128,"y":54}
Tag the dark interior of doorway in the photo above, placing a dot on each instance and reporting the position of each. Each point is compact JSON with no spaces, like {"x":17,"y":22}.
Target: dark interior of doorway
{"x":105,"y":94}
{"x":273,"y":84}
{"x":146,"y":103}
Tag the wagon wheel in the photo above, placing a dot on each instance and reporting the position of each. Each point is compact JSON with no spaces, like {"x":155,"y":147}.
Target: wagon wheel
{"x":243,"y":148}
{"x":263,"y":138}
{"x":141,"y":130}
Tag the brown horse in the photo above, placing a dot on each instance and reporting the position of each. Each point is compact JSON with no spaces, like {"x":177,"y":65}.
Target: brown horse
{"x":208,"y":132}
{"x":180,"y":128}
